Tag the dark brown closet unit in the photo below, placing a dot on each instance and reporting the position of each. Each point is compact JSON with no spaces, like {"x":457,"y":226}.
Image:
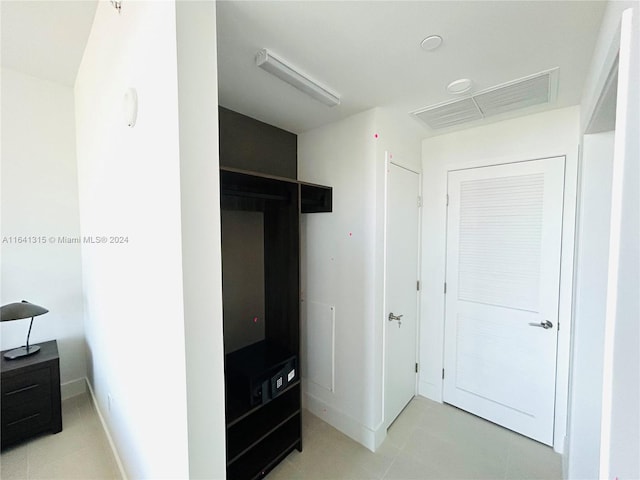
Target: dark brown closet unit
{"x":261,"y":201}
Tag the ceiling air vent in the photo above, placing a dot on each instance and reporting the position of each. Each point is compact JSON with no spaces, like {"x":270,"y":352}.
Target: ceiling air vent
{"x":522,"y":93}
{"x":448,"y":114}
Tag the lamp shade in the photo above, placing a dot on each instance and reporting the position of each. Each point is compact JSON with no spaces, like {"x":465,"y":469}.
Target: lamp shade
{"x":20,"y":310}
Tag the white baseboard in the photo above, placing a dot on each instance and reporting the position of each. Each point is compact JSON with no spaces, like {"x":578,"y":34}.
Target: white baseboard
{"x":430,"y":391}
{"x":114,"y":450}
{"x":366,"y":436}
{"x":73,"y":388}
{"x":565,"y":458}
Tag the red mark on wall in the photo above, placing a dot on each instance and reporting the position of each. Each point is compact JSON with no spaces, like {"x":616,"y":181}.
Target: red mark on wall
{"x":350,"y":234}
{"x":375,"y":136}
{"x":255,"y":319}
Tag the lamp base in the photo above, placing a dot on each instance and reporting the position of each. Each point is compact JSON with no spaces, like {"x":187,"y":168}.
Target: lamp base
{"x":21,"y":352}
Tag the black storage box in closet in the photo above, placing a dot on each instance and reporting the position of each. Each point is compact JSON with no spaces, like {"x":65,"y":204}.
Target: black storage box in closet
{"x":262,"y":370}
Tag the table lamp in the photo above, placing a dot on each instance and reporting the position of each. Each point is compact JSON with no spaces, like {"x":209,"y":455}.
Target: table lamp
{"x":18,"y":311}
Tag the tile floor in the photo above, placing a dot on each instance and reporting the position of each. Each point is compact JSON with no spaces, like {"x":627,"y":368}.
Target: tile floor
{"x":80,"y":451}
{"x":427,"y":441}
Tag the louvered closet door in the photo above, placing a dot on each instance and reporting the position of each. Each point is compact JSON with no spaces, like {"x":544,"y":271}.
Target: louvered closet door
{"x":503,"y":274}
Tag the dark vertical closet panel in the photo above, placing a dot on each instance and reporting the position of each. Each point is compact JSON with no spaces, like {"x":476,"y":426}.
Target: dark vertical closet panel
{"x":282,"y":277}
{"x":251,"y":145}
{"x":243,"y":293}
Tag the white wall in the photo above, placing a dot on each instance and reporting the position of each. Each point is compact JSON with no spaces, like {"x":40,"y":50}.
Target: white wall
{"x":338,"y":268}
{"x":592,"y":253}
{"x":612,"y":447}
{"x":604,"y":54}
{"x":40,"y":198}
{"x":129,"y":183}
{"x":549,"y":134}
{"x":342,"y":261}
{"x":620,"y":435}
{"x":201,"y":248}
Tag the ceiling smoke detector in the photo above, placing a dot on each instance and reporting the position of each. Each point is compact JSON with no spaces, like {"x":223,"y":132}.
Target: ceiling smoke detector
{"x":536,"y":89}
{"x":459,"y":86}
{"x":431,"y":42}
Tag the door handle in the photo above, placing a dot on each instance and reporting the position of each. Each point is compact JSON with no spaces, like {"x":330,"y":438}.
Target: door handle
{"x":546,"y":324}
{"x":394,"y":317}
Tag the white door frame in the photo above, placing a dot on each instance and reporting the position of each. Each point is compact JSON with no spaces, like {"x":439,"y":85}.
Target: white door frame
{"x":566,"y":284}
{"x":383,"y":319}
{"x":627,"y":67}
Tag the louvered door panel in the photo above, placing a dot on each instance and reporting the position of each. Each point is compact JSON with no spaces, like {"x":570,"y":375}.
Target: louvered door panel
{"x":500,"y":241}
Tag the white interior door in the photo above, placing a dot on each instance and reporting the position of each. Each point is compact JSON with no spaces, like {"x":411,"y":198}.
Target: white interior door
{"x":503,"y":274}
{"x":401,"y":276}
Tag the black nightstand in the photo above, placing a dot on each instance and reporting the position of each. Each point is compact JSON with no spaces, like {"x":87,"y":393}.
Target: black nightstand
{"x":30,"y":390}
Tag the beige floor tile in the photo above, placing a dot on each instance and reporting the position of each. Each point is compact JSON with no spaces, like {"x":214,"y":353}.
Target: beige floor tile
{"x":400,"y":431}
{"x":329,"y":455}
{"x":286,"y":471}
{"x":315,"y":451}
{"x":442,"y":420}
{"x":310,"y":422}
{"x":69,"y":406}
{"x":81,"y":464}
{"x":80,"y":451}
{"x":531,"y":460}
{"x":409,"y":467}
{"x":13,"y":463}
{"x":455,"y":459}
{"x":86,"y":408}
{"x":48,"y":448}
{"x":376,"y":463}
{"x":428,"y":441}
{"x":334,"y":468}
{"x":100,"y":466}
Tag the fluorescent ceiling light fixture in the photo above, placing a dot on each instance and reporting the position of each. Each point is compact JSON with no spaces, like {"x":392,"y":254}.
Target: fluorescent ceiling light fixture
{"x":284,"y":71}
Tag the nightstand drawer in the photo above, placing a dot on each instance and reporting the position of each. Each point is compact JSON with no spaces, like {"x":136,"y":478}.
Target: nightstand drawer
{"x":23,"y":389}
{"x":29,"y":417}
{"x":35,"y":412}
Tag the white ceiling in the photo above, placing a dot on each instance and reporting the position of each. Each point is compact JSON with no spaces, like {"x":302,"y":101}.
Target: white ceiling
{"x":46,"y":39}
{"x":367,"y":51}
